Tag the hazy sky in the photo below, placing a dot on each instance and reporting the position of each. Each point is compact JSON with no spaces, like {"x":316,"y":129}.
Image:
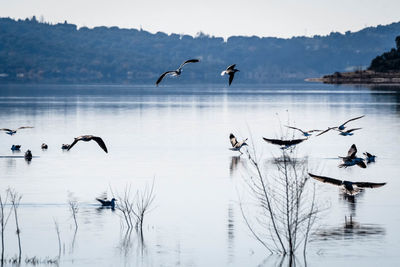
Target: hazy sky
{"x":281,"y":18}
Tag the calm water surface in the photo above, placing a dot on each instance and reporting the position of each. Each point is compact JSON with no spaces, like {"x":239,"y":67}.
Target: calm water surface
{"x":177,"y":136}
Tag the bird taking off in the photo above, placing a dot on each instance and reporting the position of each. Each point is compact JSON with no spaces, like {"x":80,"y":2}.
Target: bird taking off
{"x":88,"y":138}
{"x":284,"y":143}
{"x":236,"y":146}
{"x":351,"y":159}
{"x":231,"y":72}
{"x":176,"y":72}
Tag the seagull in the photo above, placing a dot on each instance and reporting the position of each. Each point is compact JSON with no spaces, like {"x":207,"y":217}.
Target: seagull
{"x":236,"y":146}
{"x":107,"y":203}
{"x":351,"y":159}
{"x":231,"y":72}
{"x":44,"y":146}
{"x":12,"y":132}
{"x":15,"y":147}
{"x":350,"y":188}
{"x":348,"y":132}
{"x":176,"y":72}
{"x":342,"y":127}
{"x":369,"y":157}
{"x":305,"y":133}
{"x":284,"y":143}
{"x":88,"y":138}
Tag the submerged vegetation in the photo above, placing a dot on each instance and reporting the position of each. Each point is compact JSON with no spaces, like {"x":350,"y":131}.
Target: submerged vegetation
{"x":33,"y":51}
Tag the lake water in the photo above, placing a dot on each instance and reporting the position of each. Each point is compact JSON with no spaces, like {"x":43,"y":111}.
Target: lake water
{"x":177,"y":136}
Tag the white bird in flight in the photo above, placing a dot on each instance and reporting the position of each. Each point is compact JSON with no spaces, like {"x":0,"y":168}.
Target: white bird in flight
{"x":176,"y":72}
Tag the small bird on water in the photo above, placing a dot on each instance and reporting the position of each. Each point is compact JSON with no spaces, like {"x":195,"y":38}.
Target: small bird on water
{"x":176,"y":72}
{"x":88,"y":138}
{"x":107,"y":203}
{"x":231,"y":72}
{"x":351,"y":159}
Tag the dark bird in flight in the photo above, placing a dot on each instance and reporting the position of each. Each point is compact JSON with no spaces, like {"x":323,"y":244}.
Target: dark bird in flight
{"x":11,"y":132}
{"x":348,"y":132}
{"x":369,"y":157}
{"x":284,"y":143}
{"x":231,"y":72}
{"x":350,"y":188}
{"x":176,"y":72}
{"x":107,"y":203}
{"x":351,"y":159}
{"x":236,"y":146}
{"x":88,"y":138}
{"x":305,"y":133}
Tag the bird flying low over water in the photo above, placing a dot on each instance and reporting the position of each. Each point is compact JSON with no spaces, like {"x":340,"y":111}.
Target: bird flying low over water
{"x":88,"y":138}
{"x":350,"y":188}
{"x":369,"y":157}
{"x":107,"y":203}
{"x":284,"y":143}
{"x":351,"y":159}
{"x":305,"y":133}
{"x":236,"y":146}
{"x":342,"y":127}
{"x":348,"y":132}
{"x":11,"y":132}
{"x":231,"y":72}
{"x":176,"y":72}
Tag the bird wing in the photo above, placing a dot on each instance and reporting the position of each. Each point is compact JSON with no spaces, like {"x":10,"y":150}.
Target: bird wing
{"x":73,"y":143}
{"x":103,"y":202}
{"x":231,"y":67}
{"x":368,"y":185}
{"x":367,"y":154}
{"x":327,"y":130}
{"x":361,"y":164}
{"x":352,"y":151}
{"x":163,"y":75}
{"x":353,"y":119}
{"x":284,"y":142}
{"x":294,"y":128}
{"x":325,"y":179}
{"x":349,"y":131}
{"x":188,"y":61}
{"x":234,"y":142}
{"x":231,"y":75}
{"x":6,"y":130}
{"x":100,"y":142}
{"x":311,"y":131}
{"x":24,"y":127}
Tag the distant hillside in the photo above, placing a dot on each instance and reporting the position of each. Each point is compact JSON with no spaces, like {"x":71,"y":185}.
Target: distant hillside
{"x":38,"y":52}
{"x":388,"y":61}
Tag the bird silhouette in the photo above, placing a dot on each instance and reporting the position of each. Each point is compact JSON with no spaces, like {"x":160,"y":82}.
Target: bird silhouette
{"x":231,"y":72}
{"x":284,"y":143}
{"x":88,"y":138}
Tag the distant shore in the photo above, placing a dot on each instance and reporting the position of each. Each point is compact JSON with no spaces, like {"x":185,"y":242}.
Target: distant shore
{"x":359,"y":77}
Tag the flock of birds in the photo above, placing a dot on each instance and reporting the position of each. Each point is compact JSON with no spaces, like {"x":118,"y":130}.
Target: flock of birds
{"x":351,"y":159}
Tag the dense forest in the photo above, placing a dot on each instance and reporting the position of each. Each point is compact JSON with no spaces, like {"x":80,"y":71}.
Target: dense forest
{"x":31,"y":51}
{"x":388,"y":61}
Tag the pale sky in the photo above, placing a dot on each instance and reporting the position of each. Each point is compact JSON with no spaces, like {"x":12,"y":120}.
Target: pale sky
{"x":278,"y":18}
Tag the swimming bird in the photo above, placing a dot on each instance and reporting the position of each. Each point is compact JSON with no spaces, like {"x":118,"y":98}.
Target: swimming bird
{"x":12,"y":132}
{"x":231,"y":72}
{"x":88,"y":138}
{"x":107,"y":203}
{"x":350,"y":188}
{"x":284,"y":143}
{"x":44,"y":146}
{"x":369,"y":157}
{"x":28,"y":155}
{"x":15,"y":147}
{"x":236,"y":146}
{"x":348,"y":132}
{"x":351,"y":159}
{"x":305,"y":133}
{"x":65,"y":146}
{"x":176,"y":72}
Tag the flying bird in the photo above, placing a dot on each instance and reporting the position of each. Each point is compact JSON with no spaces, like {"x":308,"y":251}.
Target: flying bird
{"x":231,"y":72}
{"x":236,"y":146}
{"x":176,"y":72}
{"x":350,"y":188}
{"x":305,"y":133}
{"x":348,"y":132}
{"x":107,"y":203}
{"x":351,"y":159}
{"x":12,"y":132}
{"x":369,"y":157}
{"x":341,"y":127}
{"x":88,"y":138}
{"x":284,"y":143}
